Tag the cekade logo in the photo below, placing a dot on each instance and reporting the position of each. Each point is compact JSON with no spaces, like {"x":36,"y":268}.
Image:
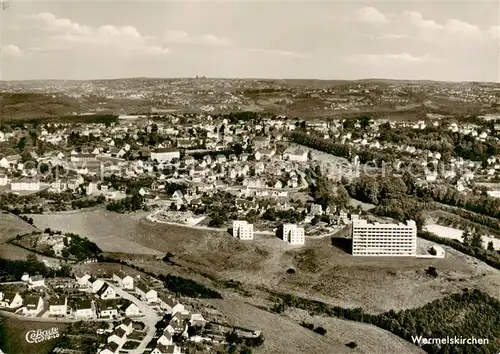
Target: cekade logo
{"x":39,"y":336}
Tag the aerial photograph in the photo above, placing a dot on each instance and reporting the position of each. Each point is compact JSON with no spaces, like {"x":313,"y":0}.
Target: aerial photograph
{"x":265,"y":177}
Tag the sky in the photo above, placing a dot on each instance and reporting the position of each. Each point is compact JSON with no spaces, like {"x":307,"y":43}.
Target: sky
{"x":445,"y":40}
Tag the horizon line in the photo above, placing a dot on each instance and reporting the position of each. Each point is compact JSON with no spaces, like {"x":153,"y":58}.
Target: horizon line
{"x":260,"y":79}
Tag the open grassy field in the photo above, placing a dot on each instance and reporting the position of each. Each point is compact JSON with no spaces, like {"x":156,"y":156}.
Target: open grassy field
{"x":15,"y":331}
{"x":11,"y":225}
{"x":112,"y":232}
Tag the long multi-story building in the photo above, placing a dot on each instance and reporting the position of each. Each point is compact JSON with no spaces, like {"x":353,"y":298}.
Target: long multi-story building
{"x":384,"y":239}
{"x":293,"y":234}
{"x":243,"y":230}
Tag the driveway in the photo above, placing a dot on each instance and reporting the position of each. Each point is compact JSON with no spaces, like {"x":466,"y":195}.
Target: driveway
{"x":150,"y":318}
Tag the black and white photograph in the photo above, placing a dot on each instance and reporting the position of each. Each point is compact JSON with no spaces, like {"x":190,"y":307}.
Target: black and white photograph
{"x":249,"y":177}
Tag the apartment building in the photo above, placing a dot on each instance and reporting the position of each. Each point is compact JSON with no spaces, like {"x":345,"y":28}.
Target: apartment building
{"x":293,"y":234}
{"x":243,"y":230}
{"x":384,"y":239}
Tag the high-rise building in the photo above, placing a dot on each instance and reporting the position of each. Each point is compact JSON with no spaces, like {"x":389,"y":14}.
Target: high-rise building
{"x":384,"y":239}
{"x":293,"y":234}
{"x":243,"y":230}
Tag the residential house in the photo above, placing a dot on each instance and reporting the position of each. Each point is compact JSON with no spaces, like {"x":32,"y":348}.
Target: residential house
{"x":165,"y":155}
{"x":33,"y":305}
{"x":171,"y":305}
{"x":127,"y":325}
{"x":145,"y":292}
{"x":124,"y":280}
{"x":83,"y":280}
{"x":36,"y":281}
{"x":97,"y":284}
{"x":119,"y":336}
{"x":298,"y":155}
{"x":133,"y":311}
{"x":197,"y":320}
{"x":106,"y":292}
{"x":108,"y":309}
{"x":84,"y":309}
{"x":111,"y":348}
{"x":11,"y":300}
{"x":166,"y":338}
{"x":58,"y":306}
{"x":9,"y":161}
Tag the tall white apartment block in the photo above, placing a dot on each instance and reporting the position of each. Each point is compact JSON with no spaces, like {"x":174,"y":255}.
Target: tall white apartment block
{"x":243,"y":230}
{"x":384,"y":239}
{"x":293,"y":234}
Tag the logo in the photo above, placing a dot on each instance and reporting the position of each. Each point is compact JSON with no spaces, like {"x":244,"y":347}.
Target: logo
{"x":39,"y":335}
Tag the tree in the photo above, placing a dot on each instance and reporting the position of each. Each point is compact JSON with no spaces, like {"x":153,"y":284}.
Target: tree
{"x":467,"y":237}
{"x":490,"y":246}
{"x":477,"y":240}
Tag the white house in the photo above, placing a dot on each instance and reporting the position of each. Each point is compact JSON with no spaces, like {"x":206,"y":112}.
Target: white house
{"x":298,"y":155}
{"x":36,"y":281}
{"x":119,"y":336}
{"x":108,"y":309}
{"x":106,"y":292}
{"x":85,"y":310}
{"x":166,"y":338}
{"x":83,"y":280}
{"x":146,"y":293}
{"x":124,"y":280}
{"x":111,"y":348}
{"x":58,"y":306}
{"x":33,"y":305}
{"x":171,"y":305}
{"x":127,"y":325}
{"x":7,"y":161}
{"x":11,"y":300}
{"x":97,"y":284}
{"x":133,"y":311}
{"x":165,"y":155}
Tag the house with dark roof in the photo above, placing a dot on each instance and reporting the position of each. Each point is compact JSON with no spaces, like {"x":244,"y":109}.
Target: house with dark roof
{"x":106,"y":292}
{"x":111,"y":348}
{"x":124,"y":280}
{"x":33,"y":305}
{"x":58,"y":306}
{"x":11,"y":300}
{"x":145,"y":292}
{"x":85,"y":309}
{"x":119,"y":336}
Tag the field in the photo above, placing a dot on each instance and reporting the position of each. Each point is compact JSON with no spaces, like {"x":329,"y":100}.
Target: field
{"x":15,"y":336}
{"x":323,"y":272}
{"x":284,"y":331}
{"x":11,"y":225}
{"x":116,"y":234}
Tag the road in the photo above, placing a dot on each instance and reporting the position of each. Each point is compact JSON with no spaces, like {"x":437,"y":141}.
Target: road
{"x":150,"y":318}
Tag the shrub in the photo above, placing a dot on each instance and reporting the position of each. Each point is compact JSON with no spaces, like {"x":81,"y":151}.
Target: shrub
{"x":320,"y":330}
